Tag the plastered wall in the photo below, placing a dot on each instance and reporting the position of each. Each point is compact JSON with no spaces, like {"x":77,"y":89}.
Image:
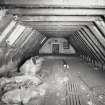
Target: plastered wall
{"x":47,"y":47}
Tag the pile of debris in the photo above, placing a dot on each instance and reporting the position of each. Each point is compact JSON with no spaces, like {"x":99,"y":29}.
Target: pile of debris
{"x":19,"y":90}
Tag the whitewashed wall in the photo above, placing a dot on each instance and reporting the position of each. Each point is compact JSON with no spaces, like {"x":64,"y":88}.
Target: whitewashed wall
{"x":47,"y":47}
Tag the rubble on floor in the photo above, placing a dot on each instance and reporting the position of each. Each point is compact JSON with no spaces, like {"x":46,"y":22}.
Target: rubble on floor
{"x":19,"y":90}
{"x":34,"y":63}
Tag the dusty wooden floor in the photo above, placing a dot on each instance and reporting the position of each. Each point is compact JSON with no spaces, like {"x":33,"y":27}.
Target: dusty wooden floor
{"x":77,"y":85}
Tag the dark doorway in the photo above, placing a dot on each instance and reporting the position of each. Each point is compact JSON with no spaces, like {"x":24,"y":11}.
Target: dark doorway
{"x":55,"y":48}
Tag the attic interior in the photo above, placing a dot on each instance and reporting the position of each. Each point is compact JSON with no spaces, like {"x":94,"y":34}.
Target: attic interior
{"x":52,"y":52}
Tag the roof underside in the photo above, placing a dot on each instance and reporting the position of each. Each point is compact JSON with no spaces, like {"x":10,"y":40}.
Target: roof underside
{"x":81,"y":21}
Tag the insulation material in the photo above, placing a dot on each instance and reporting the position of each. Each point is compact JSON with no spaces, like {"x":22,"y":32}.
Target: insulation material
{"x":7,"y":30}
{"x":15,"y":34}
{"x":19,"y":89}
{"x":9,"y":67}
{"x":32,"y":66}
{"x":22,"y":89}
{"x":20,"y":95}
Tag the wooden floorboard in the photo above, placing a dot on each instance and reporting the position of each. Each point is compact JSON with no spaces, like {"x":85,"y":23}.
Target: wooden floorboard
{"x":65,"y":92}
{"x":71,"y":81}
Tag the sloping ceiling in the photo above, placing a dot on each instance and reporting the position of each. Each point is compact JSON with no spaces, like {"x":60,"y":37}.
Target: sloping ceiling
{"x":81,"y":21}
{"x":18,"y":42}
{"x":55,"y":3}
